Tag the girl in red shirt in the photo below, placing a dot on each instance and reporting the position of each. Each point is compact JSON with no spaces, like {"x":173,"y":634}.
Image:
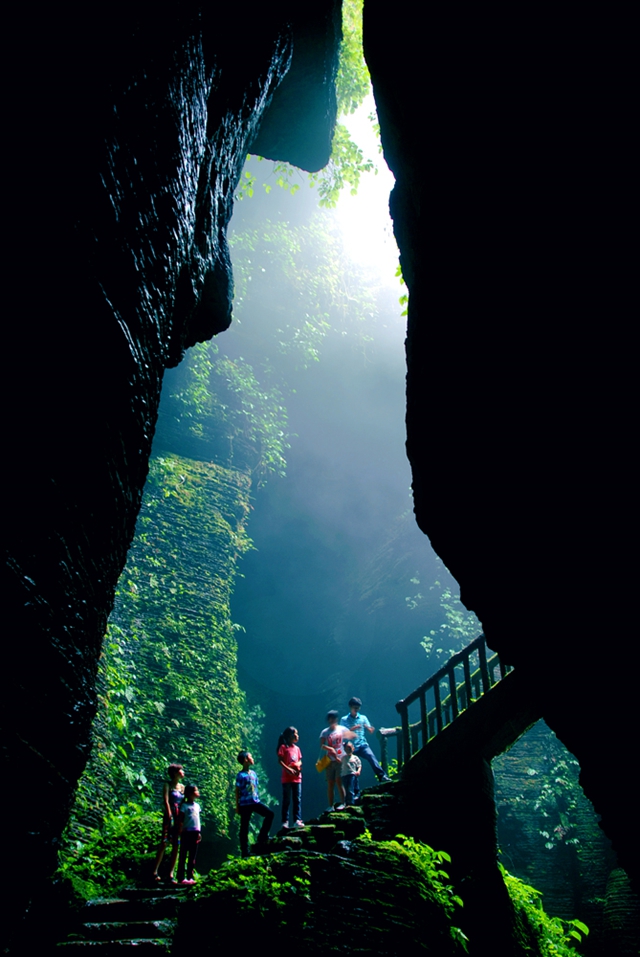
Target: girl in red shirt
{"x":290,"y":759}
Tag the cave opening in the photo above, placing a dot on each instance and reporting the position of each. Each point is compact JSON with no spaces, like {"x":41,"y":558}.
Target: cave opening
{"x":157,"y":117}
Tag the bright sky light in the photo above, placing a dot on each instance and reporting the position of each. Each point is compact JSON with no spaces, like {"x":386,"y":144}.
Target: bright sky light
{"x":364,"y":218}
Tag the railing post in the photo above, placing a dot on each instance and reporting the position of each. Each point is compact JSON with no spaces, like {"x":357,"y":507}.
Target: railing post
{"x":453,"y":693}
{"x":503,"y":667}
{"x":423,"y":719}
{"x":406,"y":736}
{"x":400,"y":755}
{"x":384,"y":755}
{"x":484,"y":671}
{"x":436,"y":694}
{"x":414,"y":739}
{"x":467,"y":680}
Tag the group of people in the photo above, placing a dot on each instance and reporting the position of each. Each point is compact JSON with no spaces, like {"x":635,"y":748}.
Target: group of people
{"x":343,"y":745}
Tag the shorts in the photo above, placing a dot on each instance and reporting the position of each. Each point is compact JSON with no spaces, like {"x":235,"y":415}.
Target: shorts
{"x":333,"y":772}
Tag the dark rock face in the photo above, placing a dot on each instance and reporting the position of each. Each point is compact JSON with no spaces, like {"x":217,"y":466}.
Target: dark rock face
{"x":517,"y":322}
{"x":130,"y":132}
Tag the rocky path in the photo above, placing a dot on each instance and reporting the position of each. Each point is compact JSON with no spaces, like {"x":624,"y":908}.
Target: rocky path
{"x":144,"y":918}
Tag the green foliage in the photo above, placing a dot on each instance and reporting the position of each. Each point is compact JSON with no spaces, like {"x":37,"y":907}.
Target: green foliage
{"x":557,"y":938}
{"x":550,"y":795}
{"x":252,"y":885}
{"x":352,"y":83}
{"x":346,"y":166}
{"x":430,"y":863}
{"x":100,"y":861}
{"x":558,"y":798}
{"x":296,"y":284}
{"x":404,"y":298}
{"x":168,"y":687}
{"x":458,"y":629}
{"x":220,"y":401}
{"x":405,"y":852}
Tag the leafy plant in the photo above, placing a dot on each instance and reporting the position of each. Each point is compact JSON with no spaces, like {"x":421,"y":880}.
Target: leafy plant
{"x":253,"y":885}
{"x":459,"y":628}
{"x":100,"y":861}
{"x":557,"y":937}
{"x":558,"y":799}
{"x":428,"y":863}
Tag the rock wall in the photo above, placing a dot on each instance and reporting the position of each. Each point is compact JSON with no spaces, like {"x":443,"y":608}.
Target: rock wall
{"x":130,"y":127}
{"x":507,"y":137}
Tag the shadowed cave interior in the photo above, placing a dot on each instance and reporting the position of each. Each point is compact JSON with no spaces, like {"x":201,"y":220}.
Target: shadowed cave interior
{"x":517,"y":319}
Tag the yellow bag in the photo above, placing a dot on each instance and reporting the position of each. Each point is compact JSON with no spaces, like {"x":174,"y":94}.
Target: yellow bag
{"x":323,"y":763}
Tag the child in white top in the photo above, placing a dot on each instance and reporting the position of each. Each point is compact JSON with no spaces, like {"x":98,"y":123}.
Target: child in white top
{"x":350,"y":769}
{"x":190,"y":834}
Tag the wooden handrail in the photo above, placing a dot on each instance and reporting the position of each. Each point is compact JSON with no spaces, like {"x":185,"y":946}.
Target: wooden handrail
{"x":446,"y":710}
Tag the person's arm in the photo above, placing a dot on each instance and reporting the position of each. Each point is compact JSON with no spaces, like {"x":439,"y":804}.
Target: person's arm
{"x":364,"y":720}
{"x":326,"y":747}
{"x":237,"y":790}
{"x":165,"y":800}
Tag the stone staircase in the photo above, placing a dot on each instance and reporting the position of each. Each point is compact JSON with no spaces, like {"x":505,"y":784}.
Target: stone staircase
{"x":144,"y":918}
{"x":331,"y":832}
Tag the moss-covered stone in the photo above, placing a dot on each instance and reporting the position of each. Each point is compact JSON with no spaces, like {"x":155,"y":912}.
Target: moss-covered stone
{"x":381,"y":898}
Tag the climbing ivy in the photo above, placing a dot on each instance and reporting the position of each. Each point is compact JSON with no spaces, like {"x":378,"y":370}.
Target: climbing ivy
{"x":168,"y":684}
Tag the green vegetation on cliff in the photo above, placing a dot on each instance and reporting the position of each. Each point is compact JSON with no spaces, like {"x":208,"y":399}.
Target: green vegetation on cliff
{"x":554,"y":937}
{"x":168,"y":684}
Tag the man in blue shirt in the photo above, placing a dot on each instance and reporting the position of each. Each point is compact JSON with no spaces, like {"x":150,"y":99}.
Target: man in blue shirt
{"x":357,"y":722}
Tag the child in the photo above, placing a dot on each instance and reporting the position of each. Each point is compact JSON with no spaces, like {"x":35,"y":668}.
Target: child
{"x":248,"y":803}
{"x":331,"y":742}
{"x":172,"y":795}
{"x":290,"y":759}
{"x":190,"y":835}
{"x":350,"y":768}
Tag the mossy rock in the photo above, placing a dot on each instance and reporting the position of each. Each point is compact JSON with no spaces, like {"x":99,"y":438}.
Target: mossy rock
{"x":349,"y":825}
{"x":294,"y":899}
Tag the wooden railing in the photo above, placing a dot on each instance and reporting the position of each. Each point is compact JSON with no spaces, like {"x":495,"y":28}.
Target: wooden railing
{"x":445,"y":709}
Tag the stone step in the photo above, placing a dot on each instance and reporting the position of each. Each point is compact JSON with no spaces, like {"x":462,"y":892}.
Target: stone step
{"x":154,"y":907}
{"x":122,"y":930}
{"x":113,"y":948}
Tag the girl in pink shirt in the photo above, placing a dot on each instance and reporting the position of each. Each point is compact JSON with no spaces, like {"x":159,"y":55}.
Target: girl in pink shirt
{"x":290,"y":760}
